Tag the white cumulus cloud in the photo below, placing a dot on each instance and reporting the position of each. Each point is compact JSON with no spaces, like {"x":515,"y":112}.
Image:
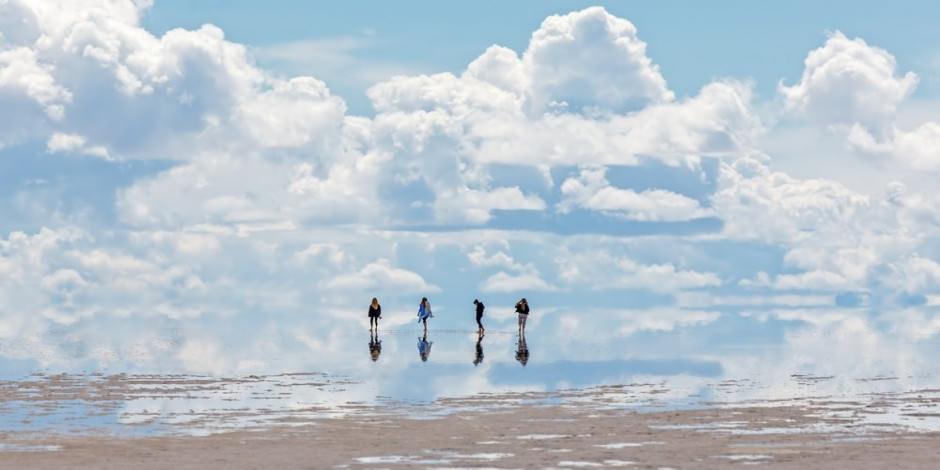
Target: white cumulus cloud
{"x":506,"y":282}
{"x":855,"y":89}
{"x":591,"y":190}
{"x":847,"y":81}
{"x":382,"y":275}
{"x":583,"y":59}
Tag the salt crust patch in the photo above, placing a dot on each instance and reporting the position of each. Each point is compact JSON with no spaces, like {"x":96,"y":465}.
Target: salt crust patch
{"x":383,"y":459}
{"x":481,"y":456}
{"x":585,"y":464}
{"x":746,"y":457}
{"x":10,"y":447}
{"x":621,"y":445}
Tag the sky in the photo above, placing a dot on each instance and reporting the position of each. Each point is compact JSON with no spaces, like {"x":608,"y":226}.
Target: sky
{"x":176,"y":175}
{"x":692,"y":42}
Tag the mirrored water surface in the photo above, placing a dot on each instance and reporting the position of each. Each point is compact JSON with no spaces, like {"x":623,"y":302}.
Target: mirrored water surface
{"x":206,"y":375}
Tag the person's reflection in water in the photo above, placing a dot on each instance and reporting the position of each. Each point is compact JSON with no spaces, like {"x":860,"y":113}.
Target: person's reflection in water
{"x":375,"y":346}
{"x":522,"y":352}
{"x":424,"y":347}
{"x":479,"y":356}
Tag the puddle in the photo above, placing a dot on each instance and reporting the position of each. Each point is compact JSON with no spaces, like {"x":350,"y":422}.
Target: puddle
{"x":601,"y":464}
{"x":579,"y":464}
{"x":566,"y":364}
{"x":540,"y":437}
{"x":624,"y":445}
{"x":13,"y":447}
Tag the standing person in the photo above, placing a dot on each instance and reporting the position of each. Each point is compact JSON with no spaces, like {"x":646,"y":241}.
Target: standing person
{"x":522,"y":308}
{"x":424,"y":312}
{"x":375,"y":312}
{"x":480,"y":308}
{"x":424,"y":347}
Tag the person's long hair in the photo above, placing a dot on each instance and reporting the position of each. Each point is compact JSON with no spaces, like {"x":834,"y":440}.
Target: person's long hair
{"x":375,"y":302}
{"x":424,"y":301}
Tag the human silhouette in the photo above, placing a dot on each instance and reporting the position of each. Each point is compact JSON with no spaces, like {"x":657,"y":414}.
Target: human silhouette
{"x":424,"y":347}
{"x":424,"y":312}
{"x":479,"y":307}
{"x":375,"y":312}
{"x":522,"y":351}
{"x":522,"y":308}
{"x":375,"y":345}
{"x":479,"y":354}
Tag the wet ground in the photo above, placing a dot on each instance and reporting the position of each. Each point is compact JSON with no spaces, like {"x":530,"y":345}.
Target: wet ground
{"x":564,"y":429}
{"x":725,"y":388}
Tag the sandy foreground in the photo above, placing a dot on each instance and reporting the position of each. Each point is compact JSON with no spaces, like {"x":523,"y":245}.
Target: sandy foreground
{"x":577,"y":430}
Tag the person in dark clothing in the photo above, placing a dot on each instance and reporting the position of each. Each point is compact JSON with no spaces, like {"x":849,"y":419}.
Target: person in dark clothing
{"x":522,"y":308}
{"x":375,"y":312}
{"x":480,"y":308}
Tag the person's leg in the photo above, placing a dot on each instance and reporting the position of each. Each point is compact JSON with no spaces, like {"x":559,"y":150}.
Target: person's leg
{"x":522,"y":320}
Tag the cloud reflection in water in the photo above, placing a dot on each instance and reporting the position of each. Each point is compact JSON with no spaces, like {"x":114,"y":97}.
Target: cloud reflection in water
{"x":661,"y":357}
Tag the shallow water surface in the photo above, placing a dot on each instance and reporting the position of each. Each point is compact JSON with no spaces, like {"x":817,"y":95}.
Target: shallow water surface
{"x":181,"y":377}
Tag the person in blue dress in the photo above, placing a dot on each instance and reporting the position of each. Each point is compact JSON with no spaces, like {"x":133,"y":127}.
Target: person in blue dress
{"x":424,"y":312}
